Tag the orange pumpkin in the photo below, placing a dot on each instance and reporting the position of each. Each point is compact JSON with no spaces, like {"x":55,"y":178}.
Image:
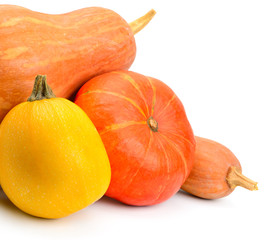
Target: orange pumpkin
{"x":69,"y":48}
{"x":146,"y":133}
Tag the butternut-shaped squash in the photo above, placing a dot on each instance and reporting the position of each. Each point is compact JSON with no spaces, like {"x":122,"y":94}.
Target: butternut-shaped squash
{"x":69,"y":48}
{"x":216,"y":171}
{"x":53,"y":161}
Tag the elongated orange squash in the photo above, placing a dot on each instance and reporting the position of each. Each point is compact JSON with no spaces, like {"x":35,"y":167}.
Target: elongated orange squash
{"x":69,"y":48}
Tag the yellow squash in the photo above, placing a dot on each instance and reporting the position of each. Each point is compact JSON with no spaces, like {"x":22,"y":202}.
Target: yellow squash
{"x":52,"y":162}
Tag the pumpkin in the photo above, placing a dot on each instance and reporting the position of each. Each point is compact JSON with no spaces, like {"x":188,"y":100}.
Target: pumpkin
{"x":69,"y":48}
{"x":216,"y":171}
{"x":146,"y":133}
{"x":52,"y":162}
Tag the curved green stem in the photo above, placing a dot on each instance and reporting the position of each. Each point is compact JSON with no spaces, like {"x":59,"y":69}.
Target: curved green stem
{"x":41,"y":90}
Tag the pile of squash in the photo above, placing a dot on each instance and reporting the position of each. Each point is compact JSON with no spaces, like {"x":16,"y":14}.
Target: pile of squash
{"x":88,"y":127}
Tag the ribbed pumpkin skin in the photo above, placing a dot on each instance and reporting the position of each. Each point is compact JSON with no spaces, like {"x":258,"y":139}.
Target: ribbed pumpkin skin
{"x":52,"y":162}
{"x":69,"y":48}
{"x":208,"y":176}
{"x":147,"y":167}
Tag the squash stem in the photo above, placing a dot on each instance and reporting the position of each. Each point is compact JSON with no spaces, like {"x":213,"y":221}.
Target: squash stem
{"x":153,"y":124}
{"x":41,"y":90}
{"x":236,"y":178}
{"x":141,"y":22}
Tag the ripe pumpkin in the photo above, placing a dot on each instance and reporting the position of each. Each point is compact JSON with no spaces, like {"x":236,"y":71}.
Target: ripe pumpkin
{"x":146,"y":133}
{"x":216,"y":171}
{"x":69,"y":48}
{"x":52,"y":162}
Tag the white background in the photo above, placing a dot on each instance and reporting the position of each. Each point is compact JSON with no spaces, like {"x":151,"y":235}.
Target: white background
{"x":218,"y":56}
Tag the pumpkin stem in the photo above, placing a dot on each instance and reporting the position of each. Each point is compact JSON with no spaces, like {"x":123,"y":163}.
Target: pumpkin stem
{"x":153,"y":124}
{"x":141,"y":22}
{"x":236,"y":178}
{"x":41,"y":90}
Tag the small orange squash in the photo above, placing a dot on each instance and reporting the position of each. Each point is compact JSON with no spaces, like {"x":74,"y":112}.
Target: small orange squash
{"x":69,"y":48}
{"x":216,"y":171}
{"x":146,"y":133}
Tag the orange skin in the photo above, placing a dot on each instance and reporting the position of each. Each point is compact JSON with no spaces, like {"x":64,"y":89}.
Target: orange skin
{"x":208,"y":175}
{"x":147,"y":166}
{"x":69,"y":48}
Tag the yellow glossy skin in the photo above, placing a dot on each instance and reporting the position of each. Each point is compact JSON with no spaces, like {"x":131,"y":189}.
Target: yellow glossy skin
{"x":52,"y":162}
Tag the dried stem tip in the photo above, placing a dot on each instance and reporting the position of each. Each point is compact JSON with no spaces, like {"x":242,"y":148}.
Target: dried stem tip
{"x":141,"y":22}
{"x":236,"y":178}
